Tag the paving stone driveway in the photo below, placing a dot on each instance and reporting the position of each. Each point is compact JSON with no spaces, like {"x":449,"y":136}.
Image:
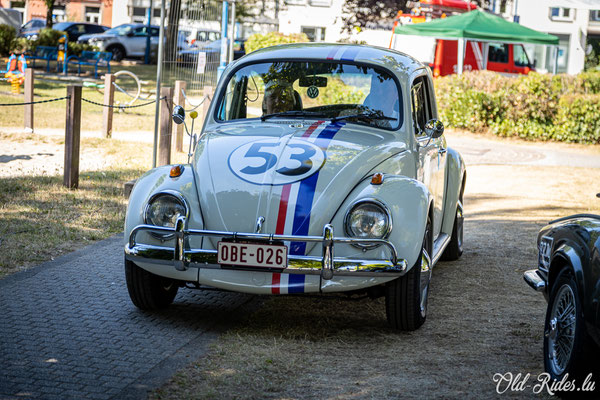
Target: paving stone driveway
{"x":69,"y":330}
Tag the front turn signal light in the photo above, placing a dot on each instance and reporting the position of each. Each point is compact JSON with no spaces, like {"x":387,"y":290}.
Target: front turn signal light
{"x":377,"y":179}
{"x":176,"y":171}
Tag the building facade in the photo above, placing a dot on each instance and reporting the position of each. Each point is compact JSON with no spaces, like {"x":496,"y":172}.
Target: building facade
{"x":575,"y":22}
{"x":94,"y":11}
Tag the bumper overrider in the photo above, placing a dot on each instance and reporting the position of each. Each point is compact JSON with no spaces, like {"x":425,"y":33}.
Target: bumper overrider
{"x":182,"y":257}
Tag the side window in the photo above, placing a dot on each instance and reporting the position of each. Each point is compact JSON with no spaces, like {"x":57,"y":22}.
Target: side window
{"x":498,"y":52}
{"x":520,"y":56}
{"x":141,"y":31}
{"x":154,"y":31}
{"x":421,"y":105}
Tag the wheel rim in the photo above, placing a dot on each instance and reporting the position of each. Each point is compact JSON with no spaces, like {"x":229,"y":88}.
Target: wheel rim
{"x":561,"y":329}
{"x":425,"y":274}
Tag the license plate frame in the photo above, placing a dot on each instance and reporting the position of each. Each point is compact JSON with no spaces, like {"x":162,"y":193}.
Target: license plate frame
{"x":252,"y":255}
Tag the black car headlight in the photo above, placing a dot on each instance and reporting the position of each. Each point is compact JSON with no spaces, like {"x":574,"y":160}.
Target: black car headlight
{"x":368,"y":219}
{"x":164,"y":208}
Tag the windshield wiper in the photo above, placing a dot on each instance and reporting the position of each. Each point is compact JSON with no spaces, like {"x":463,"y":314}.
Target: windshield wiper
{"x":370,"y":116}
{"x":293,"y":113}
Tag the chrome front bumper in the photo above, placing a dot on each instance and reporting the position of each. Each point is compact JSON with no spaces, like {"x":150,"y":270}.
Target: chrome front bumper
{"x":535,"y":280}
{"x":182,"y":257}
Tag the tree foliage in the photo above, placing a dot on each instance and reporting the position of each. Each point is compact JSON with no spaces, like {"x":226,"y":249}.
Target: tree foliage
{"x":378,"y":14}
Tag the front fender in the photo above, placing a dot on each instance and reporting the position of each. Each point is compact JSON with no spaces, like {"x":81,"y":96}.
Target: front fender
{"x":569,"y":255}
{"x":408,"y":201}
{"x":158,"y":180}
{"x":455,"y":180}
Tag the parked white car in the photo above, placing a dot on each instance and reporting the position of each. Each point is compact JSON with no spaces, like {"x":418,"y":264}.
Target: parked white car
{"x":320,"y":168}
{"x":127,"y":40}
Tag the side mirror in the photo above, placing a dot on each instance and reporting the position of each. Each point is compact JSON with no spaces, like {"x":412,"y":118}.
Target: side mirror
{"x":129,"y":34}
{"x":179,"y":115}
{"x":434,"y":128}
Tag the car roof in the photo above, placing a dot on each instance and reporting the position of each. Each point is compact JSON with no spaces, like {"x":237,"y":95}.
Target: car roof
{"x":400,"y":63}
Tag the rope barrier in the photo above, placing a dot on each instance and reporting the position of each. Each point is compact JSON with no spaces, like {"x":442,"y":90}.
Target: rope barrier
{"x":35,"y":102}
{"x":192,"y":104}
{"x":120,"y":106}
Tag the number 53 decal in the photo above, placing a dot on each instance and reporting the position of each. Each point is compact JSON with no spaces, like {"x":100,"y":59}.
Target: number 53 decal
{"x":272,"y":162}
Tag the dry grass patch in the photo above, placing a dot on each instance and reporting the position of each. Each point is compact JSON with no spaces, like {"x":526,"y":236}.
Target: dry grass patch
{"x":40,"y":219}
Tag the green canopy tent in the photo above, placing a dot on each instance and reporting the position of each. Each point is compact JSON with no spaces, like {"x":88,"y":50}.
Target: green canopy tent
{"x":478,"y":26}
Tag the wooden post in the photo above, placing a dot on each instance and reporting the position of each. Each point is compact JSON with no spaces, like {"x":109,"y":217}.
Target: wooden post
{"x":179,"y":100}
{"x":208,"y":91}
{"x":29,"y":76}
{"x":166,"y":126}
{"x":72,"y":131}
{"x":109,"y":98}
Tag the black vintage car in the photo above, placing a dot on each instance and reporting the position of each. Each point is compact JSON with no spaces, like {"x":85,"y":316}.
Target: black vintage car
{"x":568,"y":274}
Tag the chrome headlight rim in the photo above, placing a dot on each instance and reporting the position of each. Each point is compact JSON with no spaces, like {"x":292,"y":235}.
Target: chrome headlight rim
{"x":178,"y":196}
{"x":377,"y":203}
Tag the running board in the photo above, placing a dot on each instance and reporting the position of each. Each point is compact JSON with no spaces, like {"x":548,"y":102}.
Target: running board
{"x":439,"y":246}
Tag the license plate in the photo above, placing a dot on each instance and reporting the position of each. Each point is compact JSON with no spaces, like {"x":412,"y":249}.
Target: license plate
{"x":252,"y":255}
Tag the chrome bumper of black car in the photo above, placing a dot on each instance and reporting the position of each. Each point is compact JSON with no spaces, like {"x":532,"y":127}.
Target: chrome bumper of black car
{"x":182,"y":257}
{"x":535,"y":280}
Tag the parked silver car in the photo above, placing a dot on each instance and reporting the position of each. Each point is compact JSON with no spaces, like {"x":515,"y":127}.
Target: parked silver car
{"x":127,"y":40}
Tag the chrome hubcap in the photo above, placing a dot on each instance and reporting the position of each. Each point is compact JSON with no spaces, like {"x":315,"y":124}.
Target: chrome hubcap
{"x":561,"y":329}
{"x":425,"y":273}
{"x":424,"y":281}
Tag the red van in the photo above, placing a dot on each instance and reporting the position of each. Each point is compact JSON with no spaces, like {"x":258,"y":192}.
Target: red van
{"x":505,"y":58}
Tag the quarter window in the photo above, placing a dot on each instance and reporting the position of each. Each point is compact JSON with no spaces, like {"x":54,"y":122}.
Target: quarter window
{"x":422,"y":110}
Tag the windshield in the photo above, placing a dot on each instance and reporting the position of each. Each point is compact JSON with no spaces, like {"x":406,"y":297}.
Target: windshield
{"x":120,"y":30}
{"x":313,"y":90}
{"x":61,"y":26}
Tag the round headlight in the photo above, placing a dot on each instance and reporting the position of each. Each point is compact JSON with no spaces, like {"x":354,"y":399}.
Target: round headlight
{"x":163,"y":209}
{"x":368,"y":219}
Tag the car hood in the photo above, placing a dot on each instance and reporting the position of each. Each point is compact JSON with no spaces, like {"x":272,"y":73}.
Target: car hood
{"x":293,"y":174}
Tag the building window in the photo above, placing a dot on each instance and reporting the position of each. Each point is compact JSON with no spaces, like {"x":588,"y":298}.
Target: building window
{"x":594,"y":15}
{"x":320,"y":3}
{"x":59,"y":14}
{"x":314,"y":33}
{"x":20,"y":7}
{"x":295,"y":2}
{"x":561,"y":14}
{"x":92,"y":14}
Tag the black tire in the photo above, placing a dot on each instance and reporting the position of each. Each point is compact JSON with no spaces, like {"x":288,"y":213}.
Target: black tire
{"x":455,"y":248}
{"x":118,"y":52}
{"x":148,"y":291}
{"x":557,"y":331}
{"x":406,"y":297}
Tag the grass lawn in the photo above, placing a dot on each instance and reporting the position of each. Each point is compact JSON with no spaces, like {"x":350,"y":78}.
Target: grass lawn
{"x":52,"y":115}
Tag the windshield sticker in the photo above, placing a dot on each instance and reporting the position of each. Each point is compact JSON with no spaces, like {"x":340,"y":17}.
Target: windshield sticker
{"x":312,"y":92}
{"x":276,"y":162}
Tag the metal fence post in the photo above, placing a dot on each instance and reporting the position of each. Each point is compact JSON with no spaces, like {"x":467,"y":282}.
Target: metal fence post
{"x":179,"y":100}
{"x":208,"y":96}
{"x":166,"y":126}
{"x":109,"y":98}
{"x":72,"y":137}
{"x":29,"y":76}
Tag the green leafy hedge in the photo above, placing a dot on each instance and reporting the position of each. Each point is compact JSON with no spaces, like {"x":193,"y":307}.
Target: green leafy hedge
{"x":8,"y":36}
{"x":260,"y":41}
{"x":535,"y":106}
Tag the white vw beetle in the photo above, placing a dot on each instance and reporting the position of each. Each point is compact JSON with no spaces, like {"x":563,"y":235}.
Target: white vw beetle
{"x":320,"y":168}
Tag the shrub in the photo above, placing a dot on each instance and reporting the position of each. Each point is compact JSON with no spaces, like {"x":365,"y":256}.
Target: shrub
{"x":8,"y":35}
{"x":577,"y":119}
{"x":75,"y":49}
{"x":534,"y":106}
{"x":260,"y":41}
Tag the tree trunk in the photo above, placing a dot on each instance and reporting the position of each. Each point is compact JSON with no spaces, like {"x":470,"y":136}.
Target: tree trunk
{"x":50,"y":7}
{"x":171,"y":45}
